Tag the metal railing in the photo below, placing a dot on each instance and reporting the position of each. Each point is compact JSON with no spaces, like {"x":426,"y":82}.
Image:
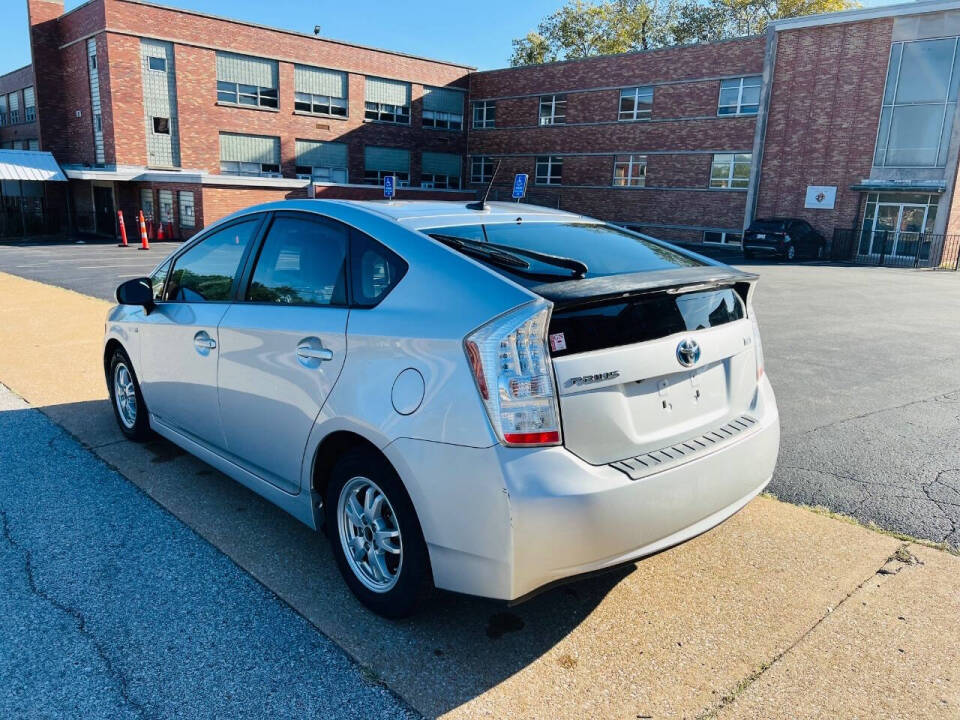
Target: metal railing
{"x":893,"y":248}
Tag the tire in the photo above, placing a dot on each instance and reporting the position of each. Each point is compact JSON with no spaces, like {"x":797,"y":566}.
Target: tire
{"x":388,"y":582}
{"x":790,"y":252}
{"x":129,"y":409}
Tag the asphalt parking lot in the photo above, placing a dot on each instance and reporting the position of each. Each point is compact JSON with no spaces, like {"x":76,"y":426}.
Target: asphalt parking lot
{"x":863,"y":361}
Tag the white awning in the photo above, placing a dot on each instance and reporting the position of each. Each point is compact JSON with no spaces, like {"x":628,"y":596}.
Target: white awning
{"x":28,"y":165}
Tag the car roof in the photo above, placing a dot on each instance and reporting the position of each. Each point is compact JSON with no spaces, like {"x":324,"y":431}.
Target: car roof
{"x":418,"y":214}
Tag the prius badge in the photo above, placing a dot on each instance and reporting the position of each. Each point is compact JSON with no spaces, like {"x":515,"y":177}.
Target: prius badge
{"x":688,"y":352}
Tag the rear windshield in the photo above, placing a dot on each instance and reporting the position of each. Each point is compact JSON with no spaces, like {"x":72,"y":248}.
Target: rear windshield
{"x":604,"y":249}
{"x":769,"y":225}
{"x":643,"y":318}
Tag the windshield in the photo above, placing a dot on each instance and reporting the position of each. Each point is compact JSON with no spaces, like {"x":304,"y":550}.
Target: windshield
{"x":603,"y":249}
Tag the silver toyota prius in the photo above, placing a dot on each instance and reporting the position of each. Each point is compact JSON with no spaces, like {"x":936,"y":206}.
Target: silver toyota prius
{"x":490,"y":398}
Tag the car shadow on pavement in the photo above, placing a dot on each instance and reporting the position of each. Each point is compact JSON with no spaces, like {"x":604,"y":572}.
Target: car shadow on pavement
{"x":454,"y":649}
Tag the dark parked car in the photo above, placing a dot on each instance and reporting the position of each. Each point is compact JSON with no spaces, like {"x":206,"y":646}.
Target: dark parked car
{"x":787,"y":238}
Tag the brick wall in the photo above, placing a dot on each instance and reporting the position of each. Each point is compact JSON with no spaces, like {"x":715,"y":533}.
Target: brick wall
{"x":679,"y":141}
{"x":16,"y":81}
{"x":822,"y":128}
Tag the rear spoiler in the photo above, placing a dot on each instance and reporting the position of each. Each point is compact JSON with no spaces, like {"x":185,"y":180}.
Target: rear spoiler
{"x":608,"y":287}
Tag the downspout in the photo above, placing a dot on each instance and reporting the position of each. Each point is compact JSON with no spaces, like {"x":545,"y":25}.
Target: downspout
{"x":760,"y":130}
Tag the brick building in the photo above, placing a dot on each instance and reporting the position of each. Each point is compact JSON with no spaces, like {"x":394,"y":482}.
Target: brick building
{"x":846,"y":120}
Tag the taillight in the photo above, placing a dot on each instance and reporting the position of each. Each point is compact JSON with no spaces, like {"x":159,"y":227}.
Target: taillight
{"x":511,"y":365}
{"x":757,"y":345}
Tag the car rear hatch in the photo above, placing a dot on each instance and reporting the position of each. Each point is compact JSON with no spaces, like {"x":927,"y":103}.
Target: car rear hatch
{"x":765,"y":234}
{"x":652,"y":368}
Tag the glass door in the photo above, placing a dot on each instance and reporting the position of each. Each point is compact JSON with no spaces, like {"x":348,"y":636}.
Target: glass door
{"x":911,"y":224}
{"x":884,"y":229}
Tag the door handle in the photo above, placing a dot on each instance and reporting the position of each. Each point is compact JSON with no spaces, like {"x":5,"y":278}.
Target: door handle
{"x":203,"y":341}
{"x":308,"y":352}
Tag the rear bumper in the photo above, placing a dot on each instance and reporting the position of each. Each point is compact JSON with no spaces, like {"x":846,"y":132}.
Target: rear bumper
{"x":770,"y":246}
{"x":502,"y":522}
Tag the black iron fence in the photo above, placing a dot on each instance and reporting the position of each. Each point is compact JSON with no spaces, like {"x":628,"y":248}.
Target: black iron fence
{"x":891,"y":248}
{"x":21,"y":217}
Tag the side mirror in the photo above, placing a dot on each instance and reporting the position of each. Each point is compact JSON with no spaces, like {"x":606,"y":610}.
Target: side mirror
{"x":136,"y":292}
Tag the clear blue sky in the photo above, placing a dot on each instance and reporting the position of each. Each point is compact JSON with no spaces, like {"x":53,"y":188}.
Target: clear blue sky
{"x":474,"y":33}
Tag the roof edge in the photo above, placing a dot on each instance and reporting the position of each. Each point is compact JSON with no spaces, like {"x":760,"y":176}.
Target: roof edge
{"x":920,"y":7}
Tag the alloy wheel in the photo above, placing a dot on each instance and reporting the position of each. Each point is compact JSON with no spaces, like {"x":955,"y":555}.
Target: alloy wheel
{"x":125,"y":395}
{"x":369,"y":534}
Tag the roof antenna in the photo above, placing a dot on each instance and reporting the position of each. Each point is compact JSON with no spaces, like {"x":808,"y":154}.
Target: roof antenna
{"x":482,"y":203}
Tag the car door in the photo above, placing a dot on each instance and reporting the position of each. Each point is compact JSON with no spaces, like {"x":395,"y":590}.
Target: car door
{"x":283,"y":345}
{"x":179,"y":342}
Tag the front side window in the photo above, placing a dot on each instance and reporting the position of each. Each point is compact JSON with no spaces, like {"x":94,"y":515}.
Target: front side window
{"x":302,"y":262}
{"x":630,"y":171}
{"x":481,"y":168}
{"x":485,"y":114}
{"x":553,"y":109}
{"x":739,"y":96}
{"x":205,"y":272}
{"x":244,"y":80}
{"x":636,"y":103}
{"x":919,"y":102}
{"x":549,"y":170}
{"x":730,"y":171}
{"x":157,"y":281}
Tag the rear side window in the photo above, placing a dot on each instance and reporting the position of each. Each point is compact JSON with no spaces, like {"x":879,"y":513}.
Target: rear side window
{"x":375,"y":270}
{"x":302,"y":262}
{"x":206,"y":271}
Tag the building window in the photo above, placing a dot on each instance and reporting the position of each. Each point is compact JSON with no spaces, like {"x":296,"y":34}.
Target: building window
{"x":636,"y":103}
{"x":93,"y":60}
{"x":481,"y":169}
{"x":630,"y":170}
{"x":253,"y":155}
{"x":165,"y":199}
{"x":484,"y":114}
{"x":33,"y":144}
{"x":730,"y":170}
{"x":440,"y":170}
{"x":146,"y":203}
{"x":3,"y":110}
{"x":379,"y":162}
{"x":187,"y":211}
{"x":442,"y":108}
{"x":739,"y":96}
{"x":158,"y":63}
{"x":919,"y":102}
{"x":29,"y":105}
{"x":320,"y":91}
{"x":98,"y":123}
{"x":321,"y":161}
{"x":13,"y":102}
{"x":387,"y":101}
{"x":161,"y":125}
{"x":549,"y":170}
{"x":553,"y":109}
{"x":711,"y":237}
{"x":249,"y":81}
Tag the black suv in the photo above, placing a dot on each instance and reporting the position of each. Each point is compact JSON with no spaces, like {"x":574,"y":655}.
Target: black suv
{"x":787,"y":238}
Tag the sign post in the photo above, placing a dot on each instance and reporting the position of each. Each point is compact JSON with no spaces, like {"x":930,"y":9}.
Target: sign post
{"x":519,"y":186}
{"x":390,"y":186}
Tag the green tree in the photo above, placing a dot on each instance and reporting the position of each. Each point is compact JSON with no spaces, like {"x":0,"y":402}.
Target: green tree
{"x":586,"y":28}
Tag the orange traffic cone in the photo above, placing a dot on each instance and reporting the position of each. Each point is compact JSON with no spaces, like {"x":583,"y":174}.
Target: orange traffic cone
{"x":144,"y":243}
{"x":169,"y":231}
{"x":123,"y":231}
{"x":161,"y":234}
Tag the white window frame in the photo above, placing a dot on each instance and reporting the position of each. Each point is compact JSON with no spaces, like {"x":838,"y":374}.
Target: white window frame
{"x":727,"y":183}
{"x":486,"y":112}
{"x":725,"y":238}
{"x":481,"y":161}
{"x":554,"y":104}
{"x":263,"y":97}
{"x":376,"y":111}
{"x":332,"y":103}
{"x":324,"y":174}
{"x":543,"y":170}
{"x":248,"y":169}
{"x":636,"y":114}
{"x":631,"y":162}
{"x":738,"y":106}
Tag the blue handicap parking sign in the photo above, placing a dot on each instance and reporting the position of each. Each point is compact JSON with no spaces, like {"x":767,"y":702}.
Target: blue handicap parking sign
{"x":389,"y":185}
{"x":519,"y":185}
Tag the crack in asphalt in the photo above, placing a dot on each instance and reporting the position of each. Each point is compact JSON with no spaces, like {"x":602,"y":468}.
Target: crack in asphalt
{"x":939,"y":397}
{"x":892,"y":565}
{"x":941,"y":505}
{"x":77,"y":616}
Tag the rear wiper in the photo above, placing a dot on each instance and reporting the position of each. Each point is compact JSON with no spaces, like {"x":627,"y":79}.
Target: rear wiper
{"x":579,"y":268}
{"x":506,"y":255}
{"x":484,"y":251}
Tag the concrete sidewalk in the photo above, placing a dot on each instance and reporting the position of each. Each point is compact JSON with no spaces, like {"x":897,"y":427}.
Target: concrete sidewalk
{"x":780,"y":612}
